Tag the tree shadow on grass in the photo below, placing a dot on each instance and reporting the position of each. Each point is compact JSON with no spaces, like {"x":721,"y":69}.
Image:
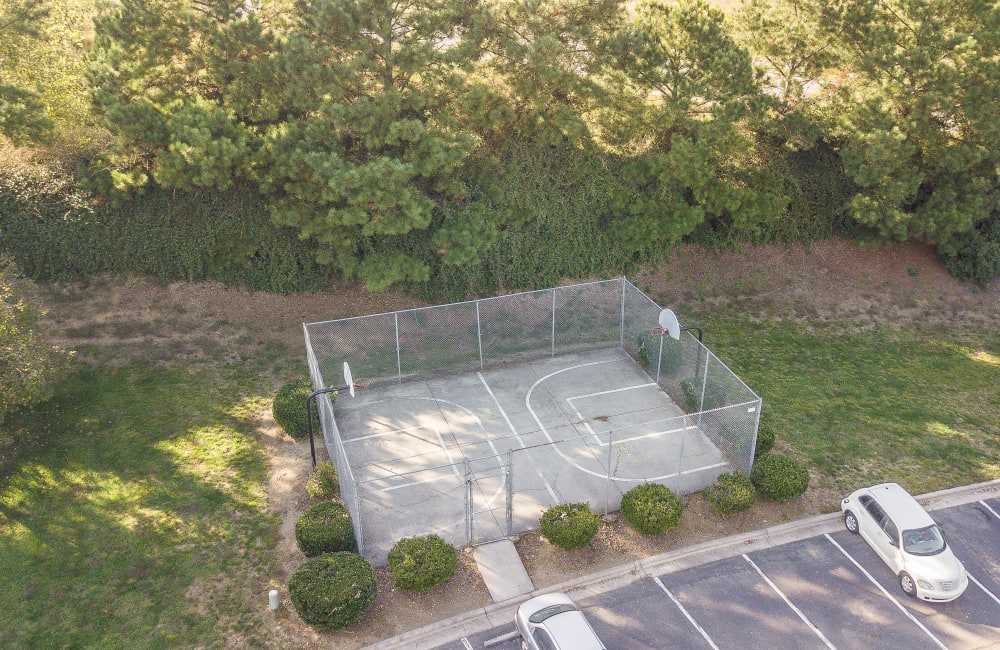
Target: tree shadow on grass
{"x":131,"y":485}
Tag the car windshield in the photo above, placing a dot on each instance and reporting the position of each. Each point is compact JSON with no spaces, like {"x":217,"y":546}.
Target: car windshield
{"x":923,"y":541}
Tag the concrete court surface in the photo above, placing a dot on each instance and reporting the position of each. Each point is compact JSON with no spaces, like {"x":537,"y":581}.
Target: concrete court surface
{"x":583,"y":427}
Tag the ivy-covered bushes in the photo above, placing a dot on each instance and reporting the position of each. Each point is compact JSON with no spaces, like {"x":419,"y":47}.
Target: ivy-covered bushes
{"x":779,"y":478}
{"x":731,"y":493}
{"x":325,"y":528}
{"x":652,"y":508}
{"x":289,"y":408}
{"x":569,"y":525}
{"x":333,"y":591}
{"x":323,"y":483}
{"x":57,"y":230}
{"x":422,"y":563}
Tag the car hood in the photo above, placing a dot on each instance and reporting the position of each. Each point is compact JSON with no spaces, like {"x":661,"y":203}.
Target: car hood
{"x":941,"y":567}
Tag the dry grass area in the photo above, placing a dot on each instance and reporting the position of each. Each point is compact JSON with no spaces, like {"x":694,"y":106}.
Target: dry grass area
{"x":829,"y":283}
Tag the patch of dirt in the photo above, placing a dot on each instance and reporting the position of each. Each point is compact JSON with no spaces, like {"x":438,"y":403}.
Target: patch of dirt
{"x":833,"y":282}
{"x":827,"y":283}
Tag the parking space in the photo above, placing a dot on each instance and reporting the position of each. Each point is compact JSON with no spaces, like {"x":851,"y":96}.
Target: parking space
{"x":827,"y":591}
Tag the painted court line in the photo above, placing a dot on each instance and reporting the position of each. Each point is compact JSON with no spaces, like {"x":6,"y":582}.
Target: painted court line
{"x":987,"y":506}
{"x":688,"y":616}
{"x":885,"y":593}
{"x":788,"y":602}
{"x":391,"y":432}
{"x":579,"y":416}
{"x":441,"y":443}
{"x":517,"y":436}
{"x":567,"y":459}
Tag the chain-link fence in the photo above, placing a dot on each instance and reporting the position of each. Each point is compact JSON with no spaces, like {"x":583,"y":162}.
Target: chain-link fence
{"x":478,"y":499}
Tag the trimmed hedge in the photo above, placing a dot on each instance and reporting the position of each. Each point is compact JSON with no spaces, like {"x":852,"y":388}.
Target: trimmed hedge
{"x":779,"y":478}
{"x":289,"y":409}
{"x":422,"y":563}
{"x":325,"y":528}
{"x":652,"y":508}
{"x":323,"y":482}
{"x":730,"y":494}
{"x":333,"y":590}
{"x":569,"y":525}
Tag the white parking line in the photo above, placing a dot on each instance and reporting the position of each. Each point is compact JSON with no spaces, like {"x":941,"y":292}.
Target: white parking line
{"x":988,"y":592}
{"x":987,"y":506}
{"x":465,"y":642}
{"x":795,"y":609}
{"x":690,"y":618}
{"x":500,"y":639}
{"x":886,"y":593}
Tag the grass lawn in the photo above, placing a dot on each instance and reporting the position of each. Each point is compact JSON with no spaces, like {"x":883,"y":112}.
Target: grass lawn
{"x":133,"y":510}
{"x":918,"y":407}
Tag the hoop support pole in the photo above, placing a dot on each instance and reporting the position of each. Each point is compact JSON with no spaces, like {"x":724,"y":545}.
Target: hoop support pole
{"x":309,"y":412}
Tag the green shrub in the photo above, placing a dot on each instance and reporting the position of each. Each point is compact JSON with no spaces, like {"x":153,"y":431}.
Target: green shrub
{"x":779,"y":478}
{"x":334,"y":590}
{"x":422,"y":563}
{"x":325,"y":528}
{"x":323,"y":483}
{"x":569,"y":525}
{"x":289,"y":409}
{"x":977,"y":259}
{"x":765,"y":439}
{"x":730,"y":494}
{"x":692,"y":394}
{"x":652,"y":508}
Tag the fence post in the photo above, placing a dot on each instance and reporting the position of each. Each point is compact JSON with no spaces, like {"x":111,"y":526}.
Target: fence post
{"x":510,"y":492}
{"x":704,"y":385}
{"x":361,"y":526}
{"x":621,"y":319}
{"x":468,"y":504}
{"x":479,"y":336}
{"x":659,"y":361}
{"x":399,"y":359}
{"x":553,"y":322}
{"x":607,"y":484}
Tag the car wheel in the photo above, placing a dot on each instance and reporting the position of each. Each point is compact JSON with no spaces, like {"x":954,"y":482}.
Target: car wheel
{"x":906,"y":582}
{"x":851,"y":522}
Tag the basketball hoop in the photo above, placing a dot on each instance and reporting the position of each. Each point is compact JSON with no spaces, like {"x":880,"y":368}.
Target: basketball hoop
{"x":669,"y":324}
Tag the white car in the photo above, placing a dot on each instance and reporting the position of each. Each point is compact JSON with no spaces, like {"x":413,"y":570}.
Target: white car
{"x":907,"y":540}
{"x":554,"y":622}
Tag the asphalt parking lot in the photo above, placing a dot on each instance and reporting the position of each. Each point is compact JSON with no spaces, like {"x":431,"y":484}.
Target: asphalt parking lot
{"x":826,"y":591}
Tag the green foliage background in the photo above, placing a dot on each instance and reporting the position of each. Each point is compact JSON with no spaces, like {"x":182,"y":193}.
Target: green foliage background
{"x":547,"y":141}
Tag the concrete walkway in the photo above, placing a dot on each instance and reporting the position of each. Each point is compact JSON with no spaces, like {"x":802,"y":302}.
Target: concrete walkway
{"x":502,"y":612}
{"x":502,"y":570}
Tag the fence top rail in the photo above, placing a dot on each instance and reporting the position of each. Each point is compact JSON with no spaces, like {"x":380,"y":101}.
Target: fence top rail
{"x":464,"y":302}
{"x":727,"y":407}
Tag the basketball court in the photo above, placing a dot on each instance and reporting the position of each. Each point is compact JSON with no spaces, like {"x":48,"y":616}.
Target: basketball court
{"x":468,"y":420}
{"x":479,"y":456}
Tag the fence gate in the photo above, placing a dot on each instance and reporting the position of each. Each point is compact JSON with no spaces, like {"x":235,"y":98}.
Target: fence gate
{"x":488,"y":498}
